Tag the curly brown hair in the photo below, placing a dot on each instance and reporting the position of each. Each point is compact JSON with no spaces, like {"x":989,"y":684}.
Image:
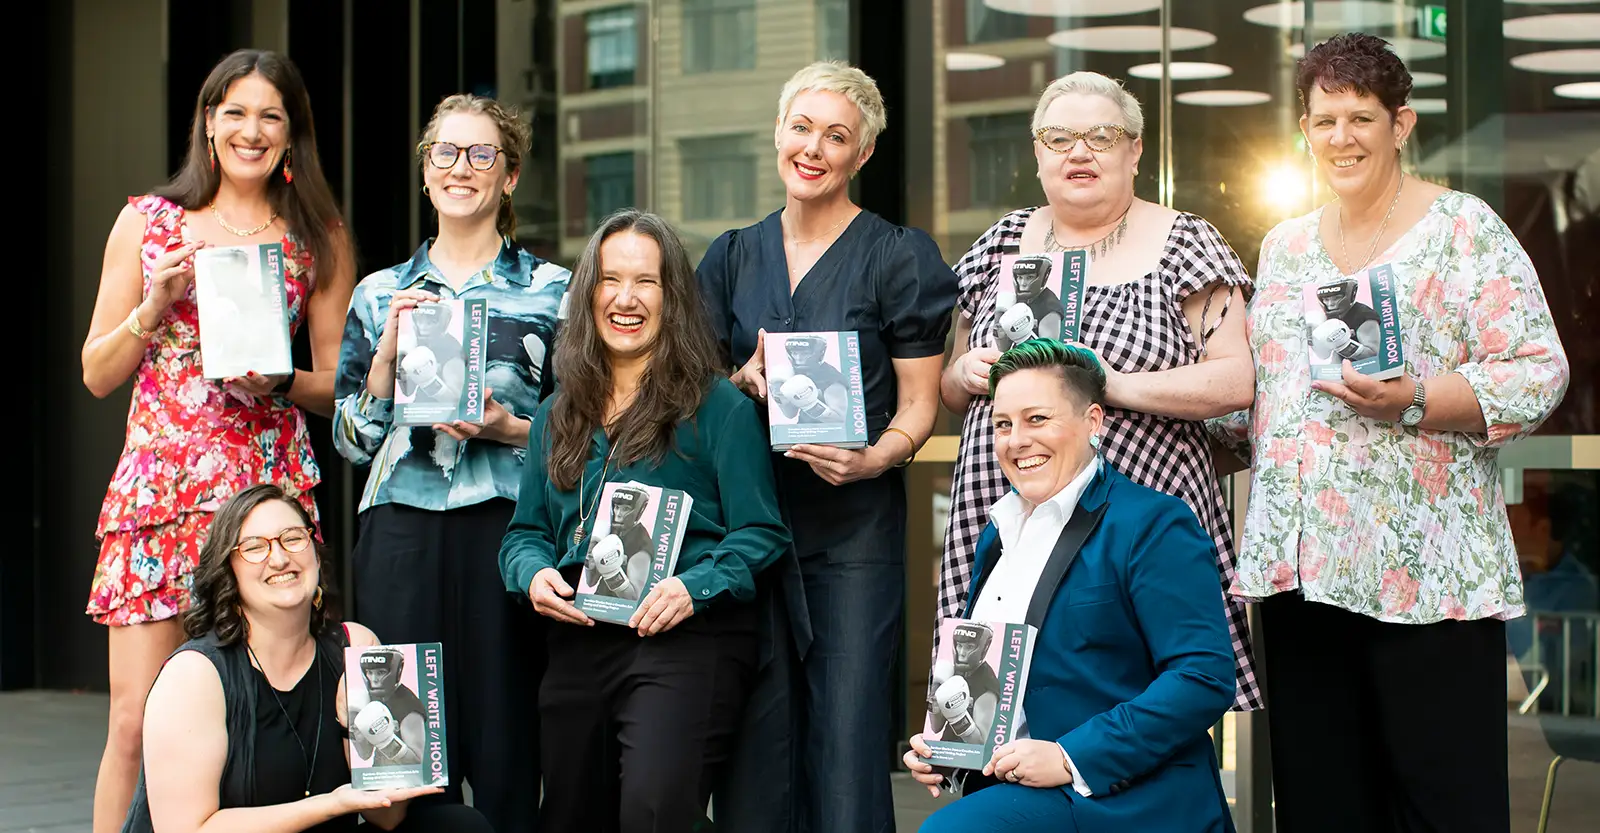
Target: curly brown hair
{"x":214,"y":599}
{"x":516,"y":137}
{"x":1357,"y":62}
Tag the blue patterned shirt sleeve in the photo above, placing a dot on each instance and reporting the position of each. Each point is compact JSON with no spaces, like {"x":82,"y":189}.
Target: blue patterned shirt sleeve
{"x":361,"y":420}
{"x":421,"y":467}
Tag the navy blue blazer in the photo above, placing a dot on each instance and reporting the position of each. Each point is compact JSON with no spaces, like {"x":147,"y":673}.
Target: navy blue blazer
{"x":1133,"y":662}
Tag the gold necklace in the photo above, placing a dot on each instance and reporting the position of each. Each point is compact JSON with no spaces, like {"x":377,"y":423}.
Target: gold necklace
{"x":1373,"y":249}
{"x":237,"y":231}
{"x":798,"y":243}
{"x":1111,"y":238}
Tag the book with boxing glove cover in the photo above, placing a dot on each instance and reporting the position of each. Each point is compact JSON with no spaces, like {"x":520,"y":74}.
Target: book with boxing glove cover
{"x":242,"y":307}
{"x":1040,"y":296}
{"x":440,"y":361}
{"x":979,"y":676}
{"x":638,"y":533}
{"x":394,"y":697}
{"x":1355,"y":317}
{"x":815,"y":392}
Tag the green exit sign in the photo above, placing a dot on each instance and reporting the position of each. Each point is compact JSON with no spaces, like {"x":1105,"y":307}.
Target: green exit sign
{"x":1430,"y":22}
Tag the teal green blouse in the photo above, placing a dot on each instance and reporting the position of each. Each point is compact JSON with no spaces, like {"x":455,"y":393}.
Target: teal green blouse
{"x":722,"y":460}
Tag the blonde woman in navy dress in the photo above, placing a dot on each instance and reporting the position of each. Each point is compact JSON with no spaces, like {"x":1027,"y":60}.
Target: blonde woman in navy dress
{"x":823,"y":263}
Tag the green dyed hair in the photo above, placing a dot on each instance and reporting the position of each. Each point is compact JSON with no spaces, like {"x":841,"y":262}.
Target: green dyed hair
{"x":1079,"y":368}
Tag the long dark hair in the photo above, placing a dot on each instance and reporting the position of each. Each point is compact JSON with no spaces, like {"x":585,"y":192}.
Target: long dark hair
{"x":307,"y":205}
{"x":214,"y":600}
{"x":684,"y":360}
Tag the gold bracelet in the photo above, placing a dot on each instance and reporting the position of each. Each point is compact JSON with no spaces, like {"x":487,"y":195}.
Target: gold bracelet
{"x":135,"y":328}
{"x":907,"y":461}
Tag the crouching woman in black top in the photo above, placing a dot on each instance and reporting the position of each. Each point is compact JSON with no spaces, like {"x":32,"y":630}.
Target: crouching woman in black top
{"x":244,"y":726}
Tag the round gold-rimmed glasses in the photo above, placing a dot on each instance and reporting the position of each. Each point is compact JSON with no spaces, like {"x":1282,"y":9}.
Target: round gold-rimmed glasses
{"x":256,"y":548}
{"x":444,"y":155}
{"x":1100,"y":138}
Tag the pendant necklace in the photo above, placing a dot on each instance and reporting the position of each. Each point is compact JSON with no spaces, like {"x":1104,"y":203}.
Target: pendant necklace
{"x":316,"y":745}
{"x":798,"y":243}
{"x":583,"y":516}
{"x":1373,"y":249}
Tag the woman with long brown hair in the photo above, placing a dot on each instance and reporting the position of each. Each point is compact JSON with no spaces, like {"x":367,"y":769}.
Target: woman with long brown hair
{"x":439,"y":496}
{"x":643,"y":398}
{"x":251,"y":176}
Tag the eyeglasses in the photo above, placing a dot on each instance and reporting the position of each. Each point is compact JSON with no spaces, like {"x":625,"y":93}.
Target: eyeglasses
{"x":256,"y":548}
{"x":1100,"y":138}
{"x":444,"y":155}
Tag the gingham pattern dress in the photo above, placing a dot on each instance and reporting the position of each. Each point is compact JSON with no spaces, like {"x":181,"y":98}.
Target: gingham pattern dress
{"x":1136,"y":327}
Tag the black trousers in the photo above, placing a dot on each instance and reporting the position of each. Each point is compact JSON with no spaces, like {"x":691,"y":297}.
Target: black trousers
{"x":1381,"y":727}
{"x":636,"y":729}
{"x":424,"y":576}
{"x":441,"y":818}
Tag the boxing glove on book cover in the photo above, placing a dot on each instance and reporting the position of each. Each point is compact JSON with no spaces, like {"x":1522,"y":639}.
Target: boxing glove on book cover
{"x":440,"y":362}
{"x":638,"y":532}
{"x":240,"y":300}
{"x":394,"y":699}
{"x":975,"y":698}
{"x":1040,"y":296}
{"x":815,"y":393}
{"x":1355,"y":317}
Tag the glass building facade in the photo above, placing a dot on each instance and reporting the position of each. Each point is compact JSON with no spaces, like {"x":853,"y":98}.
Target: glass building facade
{"x":669,"y":105}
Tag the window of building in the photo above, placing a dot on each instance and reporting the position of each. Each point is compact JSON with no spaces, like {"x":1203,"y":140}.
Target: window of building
{"x":833,"y":30}
{"x":608,"y":179}
{"x":1001,"y":161}
{"x":985,"y":24}
{"x":613,"y":47}
{"x":719,"y":35}
{"x":719,"y":177}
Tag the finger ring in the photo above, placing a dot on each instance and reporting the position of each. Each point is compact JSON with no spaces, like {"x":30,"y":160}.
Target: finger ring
{"x":1012,"y":776}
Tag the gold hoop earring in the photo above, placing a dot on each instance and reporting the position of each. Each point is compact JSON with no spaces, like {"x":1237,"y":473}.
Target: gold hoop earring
{"x":425,"y":190}
{"x":316,"y":599}
{"x":211,"y":150}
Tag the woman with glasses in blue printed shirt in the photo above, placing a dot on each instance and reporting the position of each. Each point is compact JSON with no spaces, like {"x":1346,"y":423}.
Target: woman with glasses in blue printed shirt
{"x":439,"y":497}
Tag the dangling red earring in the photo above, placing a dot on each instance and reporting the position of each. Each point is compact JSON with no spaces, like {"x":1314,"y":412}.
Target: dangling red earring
{"x":288,"y":175}
{"x":211,"y":149}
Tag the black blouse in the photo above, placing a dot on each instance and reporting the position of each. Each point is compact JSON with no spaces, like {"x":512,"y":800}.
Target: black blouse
{"x":280,"y":761}
{"x":889,"y":283}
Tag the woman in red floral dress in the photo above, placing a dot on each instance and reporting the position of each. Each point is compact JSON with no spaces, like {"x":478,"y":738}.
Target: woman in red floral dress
{"x":251,"y":176}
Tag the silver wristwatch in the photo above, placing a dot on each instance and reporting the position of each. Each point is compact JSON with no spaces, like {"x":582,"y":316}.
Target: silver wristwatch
{"x":1413,"y":414}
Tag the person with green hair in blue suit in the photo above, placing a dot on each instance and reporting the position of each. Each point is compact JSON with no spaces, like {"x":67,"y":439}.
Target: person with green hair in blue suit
{"x":1133,"y":662}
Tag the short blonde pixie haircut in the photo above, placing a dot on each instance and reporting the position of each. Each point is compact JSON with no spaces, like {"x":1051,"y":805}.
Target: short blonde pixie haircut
{"x":838,"y":77}
{"x":1093,"y":83}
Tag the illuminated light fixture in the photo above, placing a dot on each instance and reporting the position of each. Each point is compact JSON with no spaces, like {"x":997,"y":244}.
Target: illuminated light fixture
{"x":968,"y":61}
{"x":1073,"y":8}
{"x":1427,"y":79}
{"x":1429,"y":106}
{"x":1579,"y":89}
{"x":1128,"y":39}
{"x":1554,"y":27}
{"x":1560,"y":61}
{"x":1223,"y":98}
{"x":1330,"y":14}
{"x":1409,"y":49}
{"x":1183,"y":70}
{"x":1285,"y":187}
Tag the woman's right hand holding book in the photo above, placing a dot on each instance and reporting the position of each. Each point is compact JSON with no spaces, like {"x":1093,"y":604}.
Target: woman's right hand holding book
{"x":752,"y":377}
{"x":380,"y":379}
{"x":549,"y":593}
{"x":170,"y":277}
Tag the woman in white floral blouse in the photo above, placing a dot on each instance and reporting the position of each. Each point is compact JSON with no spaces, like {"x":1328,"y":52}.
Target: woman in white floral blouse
{"x":1376,"y":533}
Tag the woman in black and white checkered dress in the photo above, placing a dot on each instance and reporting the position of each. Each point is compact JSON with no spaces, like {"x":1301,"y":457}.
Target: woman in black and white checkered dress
{"x":1164,"y":310}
